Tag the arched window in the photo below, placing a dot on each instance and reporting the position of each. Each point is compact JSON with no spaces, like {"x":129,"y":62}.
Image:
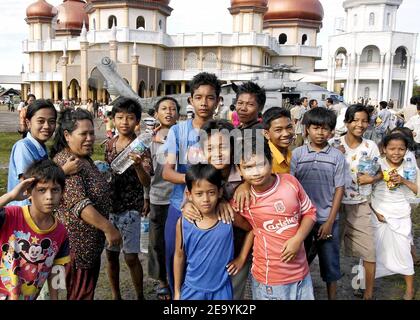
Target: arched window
{"x":370,"y":56}
{"x":355,"y":20}
{"x":192,"y":61}
{"x":160,"y":24}
{"x":94,"y":24}
{"x":371,"y":19}
{"x":283,"y":38}
{"x":112,"y":21}
{"x":367,"y":93}
{"x":140,"y":23}
{"x":304,"y":39}
{"x":388,"y":19}
{"x":210,"y":61}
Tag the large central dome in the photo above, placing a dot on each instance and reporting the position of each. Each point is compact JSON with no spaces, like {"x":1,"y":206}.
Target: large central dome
{"x":294,"y":9}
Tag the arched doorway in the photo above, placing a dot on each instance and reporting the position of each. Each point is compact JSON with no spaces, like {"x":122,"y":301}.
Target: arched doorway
{"x":74,"y":90}
{"x":142,"y":89}
{"x":400,"y":59}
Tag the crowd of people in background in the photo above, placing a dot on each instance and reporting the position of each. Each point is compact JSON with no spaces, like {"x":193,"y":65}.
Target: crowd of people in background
{"x":307,"y":182}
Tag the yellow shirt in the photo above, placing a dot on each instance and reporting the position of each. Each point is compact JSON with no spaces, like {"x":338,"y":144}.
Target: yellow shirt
{"x":280,"y":164}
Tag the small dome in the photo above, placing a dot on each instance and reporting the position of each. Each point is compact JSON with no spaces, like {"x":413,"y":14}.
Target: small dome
{"x":41,"y":8}
{"x":293,"y":9}
{"x":248,"y":3}
{"x":71,"y":15}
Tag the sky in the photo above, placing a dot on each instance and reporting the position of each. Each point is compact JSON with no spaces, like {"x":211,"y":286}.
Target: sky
{"x":188,"y":16}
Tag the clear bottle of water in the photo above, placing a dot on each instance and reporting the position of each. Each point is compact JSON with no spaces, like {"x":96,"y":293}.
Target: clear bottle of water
{"x":123,"y":161}
{"x":144,"y":235}
{"x":410,"y":174}
{"x":364,"y":167}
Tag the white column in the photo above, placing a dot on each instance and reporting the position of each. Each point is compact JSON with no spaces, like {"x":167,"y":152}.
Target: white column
{"x":407,"y":79}
{"x":390,"y":77}
{"x":357,"y":76}
{"x":347,"y":87}
{"x":381,"y":78}
{"x":411,"y":80}
{"x":330,"y":76}
{"x":386,"y":77}
{"x":351,"y":77}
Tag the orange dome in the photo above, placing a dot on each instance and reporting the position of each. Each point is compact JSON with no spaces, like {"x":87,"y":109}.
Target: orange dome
{"x":248,"y":3}
{"x":71,"y":15}
{"x":294,"y":9}
{"x":41,"y":8}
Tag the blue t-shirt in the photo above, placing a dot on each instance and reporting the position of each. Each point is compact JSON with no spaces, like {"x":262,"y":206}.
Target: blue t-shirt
{"x":183,"y":142}
{"x":24,"y":153}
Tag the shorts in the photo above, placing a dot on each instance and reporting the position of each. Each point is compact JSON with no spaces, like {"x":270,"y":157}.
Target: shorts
{"x":328,"y":252}
{"x":358,"y":232}
{"x":300,"y":290}
{"x":224,"y":293}
{"x":129,"y":225}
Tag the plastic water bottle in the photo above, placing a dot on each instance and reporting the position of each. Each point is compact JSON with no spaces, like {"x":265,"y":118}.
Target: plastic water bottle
{"x":410,"y":174}
{"x":144,"y":235}
{"x":123,"y":161}
{"x":374,"y":167}
{"x":363,"y":168}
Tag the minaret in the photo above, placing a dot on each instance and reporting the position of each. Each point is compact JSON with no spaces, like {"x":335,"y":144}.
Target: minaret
{"x":248,"y":15}
{"x":134,"y":68}
{"x":84,"y":46}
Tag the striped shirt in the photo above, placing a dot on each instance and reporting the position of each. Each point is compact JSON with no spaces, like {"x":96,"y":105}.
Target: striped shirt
{"x":275,"y":218}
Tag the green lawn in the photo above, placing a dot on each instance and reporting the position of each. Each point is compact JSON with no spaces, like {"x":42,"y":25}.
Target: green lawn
{"x":7,"y":140}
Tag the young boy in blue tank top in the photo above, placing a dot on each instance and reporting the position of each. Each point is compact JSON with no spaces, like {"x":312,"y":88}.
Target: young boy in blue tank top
{"x":204,"y":249}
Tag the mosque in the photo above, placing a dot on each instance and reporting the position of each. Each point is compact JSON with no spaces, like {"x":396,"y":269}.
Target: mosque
{"x":66,"y":42}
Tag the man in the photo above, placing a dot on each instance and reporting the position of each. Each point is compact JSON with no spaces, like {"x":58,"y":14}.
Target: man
{"x":313,"y":104}
{"x":382,"y":121}
{"x":410,"y":110}
{"x":297,"y":114}
{"x":250,"y":101}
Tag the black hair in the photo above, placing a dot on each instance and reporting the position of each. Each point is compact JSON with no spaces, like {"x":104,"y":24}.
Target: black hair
{"x":205,"y":79}
{"x":320,"y":117}
{"x":252,"y":141}
{"x":232,"y":107}
{"x":383,"y":104}
{"x":38,"y":105}
{"x":45,"y":171}
{"x":128,"y":105}
{"x":352,"y":110}
{"x":370,"y":109}
{"x":203,"y":172}
{"x":408,"y":134}
{"x":274,"y":114}
{"x":68,"y":122}
{"x":330,"y":100}
{"x":253,"y":88}
{"x":30,"y":96}
{"x":395,"y":136}
{"x":151,"y":112}
{"x":302,"y":100}
{"x":414,"y":100}
{"x":312,"y":101}
{"x":157,"y":105}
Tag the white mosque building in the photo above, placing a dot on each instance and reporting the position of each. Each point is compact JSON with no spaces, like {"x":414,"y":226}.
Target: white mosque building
{"x":368,"y":58}
{"x":65,"y":44}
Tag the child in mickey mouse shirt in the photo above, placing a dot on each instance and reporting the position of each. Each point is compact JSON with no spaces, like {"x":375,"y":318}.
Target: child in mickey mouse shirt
{"x":32,"y":240}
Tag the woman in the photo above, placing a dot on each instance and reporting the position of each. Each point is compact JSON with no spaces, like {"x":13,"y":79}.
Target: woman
{"x":85,"y":205}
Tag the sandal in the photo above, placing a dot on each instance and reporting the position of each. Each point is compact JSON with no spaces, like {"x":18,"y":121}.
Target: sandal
{"x":163,"y":293}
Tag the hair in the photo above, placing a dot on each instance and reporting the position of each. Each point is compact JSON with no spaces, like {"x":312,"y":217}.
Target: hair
{"x":330,"y":100}
{"x":320,"y":117}
{"x":414,"y":100}
{"x":352,"y":110}
{"x":205,"y":79}
{"x":250,"y":145}
{"x":127,"y":105}
{"x":302,"y":100}
{"x":395,"y":136}
{"x":408,"y":134}
{"x":45,"y":171}
{"x":312,"y":101}
{"x":383,"y":104}
{"x":157,"y":105}
{"x":68,"y":122}
{"x":370,"y":109}
{"x":203,"y":172}
{"x":253,"y":88}
{"x":232,"y":107}
{"x":274,"y":114}
{"x":38,"y":105}
{"x":30,"y":96}
{"x":151,"y":112}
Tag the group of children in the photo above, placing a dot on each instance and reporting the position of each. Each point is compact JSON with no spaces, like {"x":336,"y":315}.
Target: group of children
{"x":223,"y":202}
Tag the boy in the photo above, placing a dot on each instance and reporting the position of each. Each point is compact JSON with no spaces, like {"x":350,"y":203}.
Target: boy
{"x":166,"y":113}
{"x":281,"y":218}
{"x":205,"y":248}
{"x":250,"y":101}
{"x":297,"y":113}
{"x":127,"y":196}
{"x":278,"y":130}
{"x":183,"y":148}
{"x":320,"y":169}
{"x":32,"y":240}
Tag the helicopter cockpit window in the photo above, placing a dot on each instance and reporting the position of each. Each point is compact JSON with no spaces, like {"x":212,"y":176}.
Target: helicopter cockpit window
{"x":283,"y":38}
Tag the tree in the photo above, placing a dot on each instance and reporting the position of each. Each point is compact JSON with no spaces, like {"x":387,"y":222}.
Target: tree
{"x":416,"y":88}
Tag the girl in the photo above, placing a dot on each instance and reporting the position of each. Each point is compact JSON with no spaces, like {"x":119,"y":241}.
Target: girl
{"x":392,"y":222}
{"x":41,"y":118}
{"x":357,"y":228}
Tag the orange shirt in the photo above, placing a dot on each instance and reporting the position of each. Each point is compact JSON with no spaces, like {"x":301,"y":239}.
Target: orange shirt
{"x":275,"y":218}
